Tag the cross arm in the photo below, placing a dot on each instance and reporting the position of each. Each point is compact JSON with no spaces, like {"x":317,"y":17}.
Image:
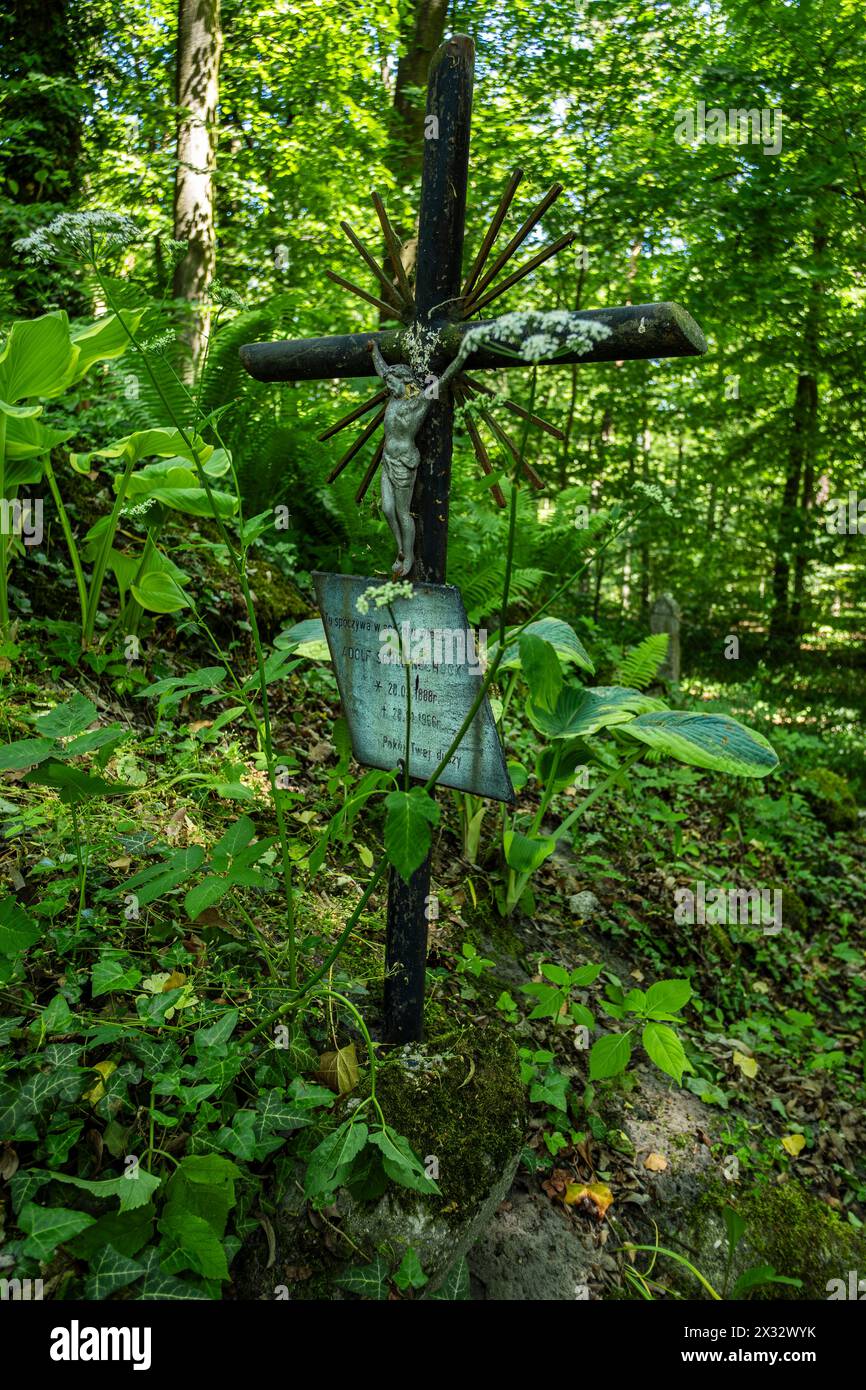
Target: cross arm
{"x":636,"y":331}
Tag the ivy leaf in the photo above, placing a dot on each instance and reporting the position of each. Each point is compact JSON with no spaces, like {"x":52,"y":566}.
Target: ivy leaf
{"x":110,"y":1271}
{"x":368,"y":1281}
{"x":113,"y":971}
{"x":410,"y":1275}
{"x":163,"y":1287}
{"x":134,"y":1189}
{"x":455,"y":1285}
{"x":48,"y":1227}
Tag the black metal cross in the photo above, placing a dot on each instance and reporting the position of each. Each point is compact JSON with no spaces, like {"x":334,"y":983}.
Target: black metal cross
{"x":441,"y":299}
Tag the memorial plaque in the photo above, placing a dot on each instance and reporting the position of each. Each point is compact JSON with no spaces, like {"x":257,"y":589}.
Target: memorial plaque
{"x":433,"y":634}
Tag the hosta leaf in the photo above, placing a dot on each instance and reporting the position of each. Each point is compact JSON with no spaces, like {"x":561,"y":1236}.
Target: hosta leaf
{"x":159,"y":593}
{"x":561,"y":636}
{"x":36,"y":357}
{"x":541,"y":669}
{"x":525,"y":853}
{"x":713,"y":741}
{"x":580,"y":712}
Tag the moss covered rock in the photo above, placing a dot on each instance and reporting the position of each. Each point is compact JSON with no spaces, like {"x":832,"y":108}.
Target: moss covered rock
{"x":831,"y":799}
{"x":786,"y":1227}
{"x":795,"y":914}
{"x":463,"y":1109}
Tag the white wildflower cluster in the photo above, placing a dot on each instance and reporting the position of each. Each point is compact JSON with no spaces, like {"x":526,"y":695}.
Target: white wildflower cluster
{"x":140,"y":508}
{"x":224,"y":297}
{"x":159,"y":343}
{"x":380,"y":595}
{"x":417,"y":346}
{"x":537,"y":336}
{"x":656,"y":495}
{"x":83,"y":234}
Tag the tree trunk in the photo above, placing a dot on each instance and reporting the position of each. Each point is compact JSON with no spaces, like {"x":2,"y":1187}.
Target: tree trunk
{"x":42,"y":53}
{"x":792,"y":538}
{"x":199,"y":45}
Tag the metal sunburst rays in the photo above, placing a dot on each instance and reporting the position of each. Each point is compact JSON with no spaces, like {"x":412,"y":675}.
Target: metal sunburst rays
{"x":480,"y":289}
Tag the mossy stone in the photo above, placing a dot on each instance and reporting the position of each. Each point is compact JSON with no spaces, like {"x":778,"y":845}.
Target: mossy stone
{"x":465,"y":1108}
{"x":786,"y":1227}
{"x":831,"y":799}
{"x":795,"y":914}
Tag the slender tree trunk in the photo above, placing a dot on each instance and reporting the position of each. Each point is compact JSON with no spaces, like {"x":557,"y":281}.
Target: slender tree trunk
{"x":791,"y":539}
{"x":43,"y":46}
{"x":199,"y":45}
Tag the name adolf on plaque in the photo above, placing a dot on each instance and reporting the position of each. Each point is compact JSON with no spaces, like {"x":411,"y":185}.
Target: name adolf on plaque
{"x":433,"y":635}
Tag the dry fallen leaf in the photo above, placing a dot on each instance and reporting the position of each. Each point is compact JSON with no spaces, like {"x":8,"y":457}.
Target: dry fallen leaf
{"x":592,"y":1199}
{"x":793,"y":1144}
{"x":748,"y":1066}
{"x":174,"y":981}
{"x":98,"y":1091}
{"x":656,"y":1163}
{"x":339,"y":1070}
{"x":122,"y":863}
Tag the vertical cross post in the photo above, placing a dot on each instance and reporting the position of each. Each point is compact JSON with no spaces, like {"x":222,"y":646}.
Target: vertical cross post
{"x":437,"y":287}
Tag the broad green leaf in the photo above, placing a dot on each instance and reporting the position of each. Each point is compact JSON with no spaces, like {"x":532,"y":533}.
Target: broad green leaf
{"x":665,"y":1049}
{"x":667,"y":996}
{"x":525,"y":853}
{"x":561,"y":636}
{"x":410,"y":1275}
{"x":67,"y":719}
{"x":400,"y":1162}
{"x":159,"y":593}
{"x":331,"y":1160}
{"x":713,"y":741}
{"x":37,"y":357}
{"x":17,"y":930}
{"x":609,"y":1056}
{"x":580,"y":712}
{"x":306,"y":639}
{"x":48,"y":1227}
{"x":163,"y":443}
{"x":72,"y":784}
{"x":542,"y":670}
{"x":25,"y":752}
{"x":236,"y":838}
{"x":132,"y":1190}
{"x":205,"y":895}
{"x":113,"y":971}
{"x":761,"y":1274}
{"x":197,"y":1240}
{"x":102,"y":341}
{"x":409,"y":816}
{"x":27,"y":438}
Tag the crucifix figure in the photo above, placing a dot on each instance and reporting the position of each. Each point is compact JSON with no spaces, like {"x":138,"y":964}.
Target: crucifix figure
{"x":409,"y":404}
{"x":419,"y":442}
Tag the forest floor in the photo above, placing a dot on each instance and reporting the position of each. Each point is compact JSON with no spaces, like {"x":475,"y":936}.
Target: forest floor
{"x":773,"y":1033}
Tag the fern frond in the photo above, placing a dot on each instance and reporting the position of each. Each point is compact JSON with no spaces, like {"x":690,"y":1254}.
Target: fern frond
{"x":641,"y":663}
